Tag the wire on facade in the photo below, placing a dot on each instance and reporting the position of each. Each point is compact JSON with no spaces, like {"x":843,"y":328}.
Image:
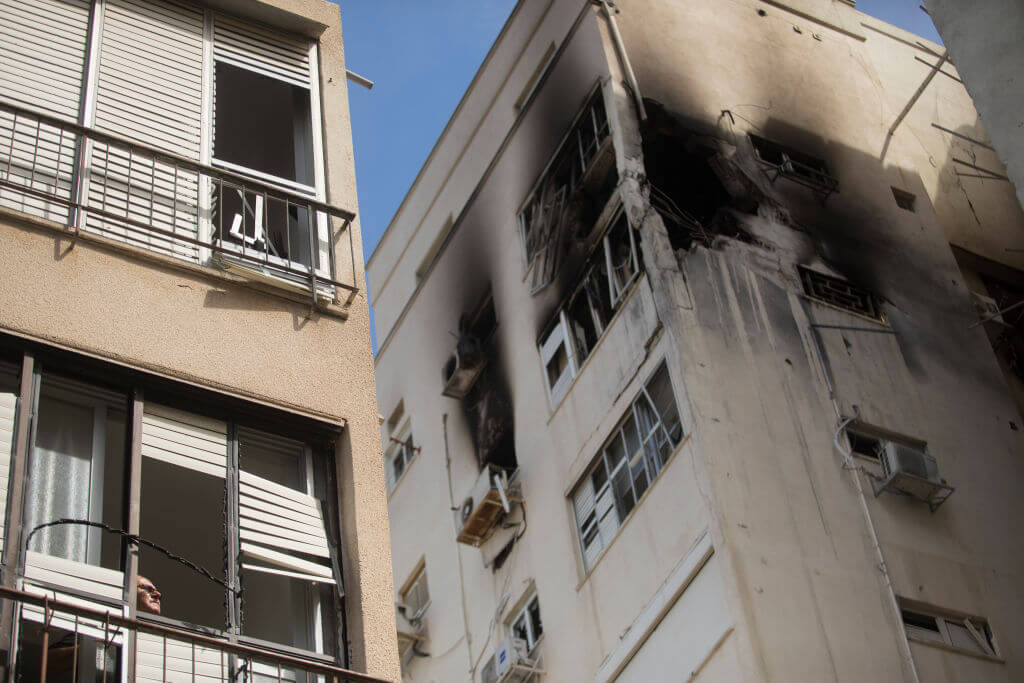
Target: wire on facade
{"x":131,"y":538}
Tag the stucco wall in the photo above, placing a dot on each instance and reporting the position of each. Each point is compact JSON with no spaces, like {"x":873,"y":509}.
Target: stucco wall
{"x":984,"y":41}
{"x":196,"y":325}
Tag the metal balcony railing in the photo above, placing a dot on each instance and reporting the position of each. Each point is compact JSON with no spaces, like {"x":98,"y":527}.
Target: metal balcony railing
{"x":152,"y":198}
{"x":70,"y":630}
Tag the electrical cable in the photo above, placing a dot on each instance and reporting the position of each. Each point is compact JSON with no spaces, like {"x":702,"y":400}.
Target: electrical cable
{"x":132,"y":538}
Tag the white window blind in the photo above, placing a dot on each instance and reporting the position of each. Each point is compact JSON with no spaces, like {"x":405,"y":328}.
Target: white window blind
{"x":149,"y":90}
{"x":8,"y":408}
{"x":44,"y":573}
{"x":283,"y":528}
{"x":158,"y":660}
{"x":262,"y":50}
{"x":42,"y":62}
{"x":184,"y":439}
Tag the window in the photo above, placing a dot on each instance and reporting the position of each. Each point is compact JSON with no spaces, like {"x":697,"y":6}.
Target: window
{"x":414,"y":595}
{"x":904,"y":200}
{"x":864,"y":443}
{"x":840,"y":293}
{"x":628,"y":462}
{"x":399,"y":449}
{"x":263,"y":104}
{"x":578,"y":325}
{"x":541,"y":221}
{"x":527,"y":625}
{"x":248,"y":507}
{"x":968,"y":634}
{"x":795,"y":165}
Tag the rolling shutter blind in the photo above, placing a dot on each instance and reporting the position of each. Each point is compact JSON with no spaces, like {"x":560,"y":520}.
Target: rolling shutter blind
{"x":262,"y":50}
{"x":186,"y":440}
{"x":281,"y":526}
{"x":150,"y":90}
{"x":42,"y":63}
{"x":45,"y":574}
{"x":8,"y":410}
{"x":160,"y":660}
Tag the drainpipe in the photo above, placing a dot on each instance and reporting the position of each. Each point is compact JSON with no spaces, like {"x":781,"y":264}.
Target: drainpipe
{"x":458,"y":554}
{"x":620,"y":50}
{"x":865,"y":510}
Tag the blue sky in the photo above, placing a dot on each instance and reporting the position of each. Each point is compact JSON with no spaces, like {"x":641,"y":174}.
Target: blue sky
{"x":422,"y":56}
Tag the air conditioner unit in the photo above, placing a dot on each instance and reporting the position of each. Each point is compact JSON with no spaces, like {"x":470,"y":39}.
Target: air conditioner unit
{"x":490,"y":498}
{"x":461,"y":372}
{"x":510,"y":663}
{"x":914,"y":472}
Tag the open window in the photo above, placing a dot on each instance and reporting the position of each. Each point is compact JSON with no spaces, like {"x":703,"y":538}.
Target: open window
{"x":558,"y":359}
{"x":415,"y":595}
{"x":959,"y":632}
{"x":778,"y":160}
{"x":841,"y":294}
{"x":527,"y":625}
{"x":630,"y":460}
{"x":265,"y":126}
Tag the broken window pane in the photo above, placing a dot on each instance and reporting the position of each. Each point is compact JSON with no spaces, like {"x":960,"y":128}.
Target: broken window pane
{"x":182,"y":510}
{"x":262,"y":124}
{"x":840,"y":293}
{"x":76,"y":471}
{"x":632,"y":458}
{"x":620,"y":255}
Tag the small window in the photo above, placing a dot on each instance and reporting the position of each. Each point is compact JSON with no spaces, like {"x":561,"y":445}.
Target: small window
{"x":794,"y":165}
{"x":840,"y":293}
{"x":629,"y":461}
{"x":527,"y":625}
{"x":904,"y":200}
{"x":415,"y":595}
{"x":556,"y":355}
{"x":968,"y":634}
{"x":399,"y":449}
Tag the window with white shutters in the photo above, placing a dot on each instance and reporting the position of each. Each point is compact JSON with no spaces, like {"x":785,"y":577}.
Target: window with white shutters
{"x":8,"y":414}
{"x":630,"y":460}
{"x":43,"y":46}
{"x":149,"y":90}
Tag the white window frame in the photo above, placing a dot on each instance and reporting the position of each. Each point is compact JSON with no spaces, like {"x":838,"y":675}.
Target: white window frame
{"x":316,"y":191}
{"x":556,"y":339}
{"x":523,"y":615}
{"x":977,"y":628}
{"x":604,"y":535}
{"x":418,"y":586}
{"x":397,"y":448}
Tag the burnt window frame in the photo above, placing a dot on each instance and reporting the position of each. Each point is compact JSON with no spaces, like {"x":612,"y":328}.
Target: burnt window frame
{"x":812,"y":280}
{"x":591,"y":114}
{"x":779,"y":160}
{"x":140,"y":388}
{"x":560,"y":331}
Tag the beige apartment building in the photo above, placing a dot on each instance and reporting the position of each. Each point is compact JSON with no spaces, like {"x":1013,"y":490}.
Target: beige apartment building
{"x":698,"y":358}
{"x":192,"y":487}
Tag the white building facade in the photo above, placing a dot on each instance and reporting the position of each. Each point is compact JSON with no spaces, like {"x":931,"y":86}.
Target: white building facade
{"x":680,"y":364}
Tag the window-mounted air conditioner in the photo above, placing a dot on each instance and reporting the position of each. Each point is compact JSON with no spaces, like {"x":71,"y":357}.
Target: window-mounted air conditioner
{"x":463,"y":368}
{"x":510,"y":663}
{"x":913,"y":472}
{"x":490,"y":498}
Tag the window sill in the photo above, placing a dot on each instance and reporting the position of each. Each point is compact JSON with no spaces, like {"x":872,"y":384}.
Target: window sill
{"x":624,"y":300}
{"x":957,"y":650}
{"x":280,"y":289}
{"x":882,"y":324}
{"x":631,"y":515}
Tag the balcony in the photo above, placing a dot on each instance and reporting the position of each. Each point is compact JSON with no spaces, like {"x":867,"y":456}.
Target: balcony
{"x":96,"y":184}
{"x":82,"y":641}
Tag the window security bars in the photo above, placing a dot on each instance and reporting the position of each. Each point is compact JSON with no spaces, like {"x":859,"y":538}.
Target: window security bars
{"x":182,"y":655}
{"x":803,"y":169}
{"x":841,"y":294}
{"x":146,"y":197}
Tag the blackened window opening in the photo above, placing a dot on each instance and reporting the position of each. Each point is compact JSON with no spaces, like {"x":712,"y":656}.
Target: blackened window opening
{"x":841,"y":293}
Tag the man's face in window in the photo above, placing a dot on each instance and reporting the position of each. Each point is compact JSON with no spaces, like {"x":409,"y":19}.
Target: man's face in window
{"x":148,"y":597}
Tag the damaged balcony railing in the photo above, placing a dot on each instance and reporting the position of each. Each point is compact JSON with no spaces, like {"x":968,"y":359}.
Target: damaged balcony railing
{"x":158,"y":200}
{"x":61,"y":638}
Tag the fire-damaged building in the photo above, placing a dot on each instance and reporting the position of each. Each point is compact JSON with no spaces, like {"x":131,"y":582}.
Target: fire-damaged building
{"x":698,"y":358}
